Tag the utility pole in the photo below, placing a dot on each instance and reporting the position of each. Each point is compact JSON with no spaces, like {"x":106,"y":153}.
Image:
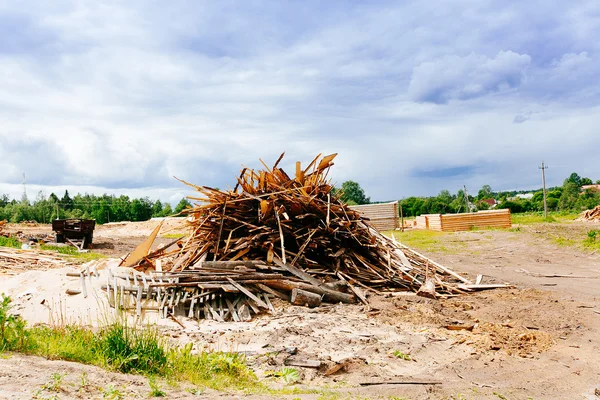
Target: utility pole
{"x":467,"y":199}
{"x":544,"y":168}
{"x":24,"y":197}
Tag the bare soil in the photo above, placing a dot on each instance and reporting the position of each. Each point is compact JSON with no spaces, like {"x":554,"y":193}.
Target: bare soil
{"x":537,"y":340}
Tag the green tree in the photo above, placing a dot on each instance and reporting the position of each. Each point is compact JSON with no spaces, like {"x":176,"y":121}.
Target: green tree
{"x":570,"y":194}
{"x":140,"y":209}
{"x":157,"y":209}
{"x":66,"y":202}
{"x":120,"y":208}
{"x":411,"y":206}
{"x":352,"y":193}
{"x":485,"y":193}
{"x":4,"y":199}
{"x":167,"y":210}
{"x":182,"y":205}
{"x":573,"y":178}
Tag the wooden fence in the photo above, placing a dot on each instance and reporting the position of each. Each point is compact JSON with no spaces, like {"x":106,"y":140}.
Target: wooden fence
{"x":383,"y":217}
{"x":464,"y":222}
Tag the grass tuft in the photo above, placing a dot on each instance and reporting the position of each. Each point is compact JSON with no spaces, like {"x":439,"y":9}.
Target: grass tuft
{"x":538,"y":217}
{"x":10,"y":242}
{"x":427,"y":240}
{"x":73,"y":253}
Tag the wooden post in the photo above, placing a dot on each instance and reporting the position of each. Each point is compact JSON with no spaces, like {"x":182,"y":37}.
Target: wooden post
{"x":401,"y":218}
{"x":304,"y":298}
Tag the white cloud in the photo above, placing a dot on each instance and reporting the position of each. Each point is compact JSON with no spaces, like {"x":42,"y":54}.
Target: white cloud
{"x":113,"y":96}
{"x":454,"y":77}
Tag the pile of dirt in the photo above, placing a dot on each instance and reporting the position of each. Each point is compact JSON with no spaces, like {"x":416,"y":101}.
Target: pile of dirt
{"x":126,"y":229}
{"x":592,"y":215}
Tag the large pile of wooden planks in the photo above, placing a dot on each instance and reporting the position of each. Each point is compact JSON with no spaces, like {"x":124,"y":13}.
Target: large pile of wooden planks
{"x":279,"y":236}
{"x":465,"y":222}
{"x":382,"y":216}
{"x":590,"y":215}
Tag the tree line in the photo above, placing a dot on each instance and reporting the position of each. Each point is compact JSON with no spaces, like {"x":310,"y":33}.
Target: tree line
{"x":110,"y":208}
{"x":105,"y":208}
{"x":568,"y":197}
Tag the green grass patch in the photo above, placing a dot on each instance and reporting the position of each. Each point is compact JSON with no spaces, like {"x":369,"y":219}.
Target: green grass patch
{"x":126,"y":349}
{"x":566,"y":242}
{"x":73,"y":253}
{"x":538,"y":217}
{"x":10,"y":242}
{"x":427,"y":240}
{"x":173,"y":235}
{"x":592,"y":241}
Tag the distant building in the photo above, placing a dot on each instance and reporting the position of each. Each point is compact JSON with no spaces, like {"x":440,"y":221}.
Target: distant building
{"x":490,"y":202}
{"x":523,"y":196}
{"x":590,"y":187}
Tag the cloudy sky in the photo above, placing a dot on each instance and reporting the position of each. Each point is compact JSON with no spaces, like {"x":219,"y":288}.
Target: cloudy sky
{"x":416,"y":97}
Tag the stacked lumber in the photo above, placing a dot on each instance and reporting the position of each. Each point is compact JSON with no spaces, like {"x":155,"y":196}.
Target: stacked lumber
{"x":590,"y":215}
{"x":466,"y":221}
{"x":2,"y":223}
{"x":17,"y":260}
{"x":383,"y":217}
{"x":276,"y":236}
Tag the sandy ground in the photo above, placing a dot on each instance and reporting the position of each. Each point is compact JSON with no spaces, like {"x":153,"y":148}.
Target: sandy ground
{"x":539,"y":340}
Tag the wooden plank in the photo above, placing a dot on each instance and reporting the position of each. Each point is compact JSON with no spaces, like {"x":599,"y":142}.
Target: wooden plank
{"x":401,"y":382}
{"x":304,"y":363}
{"x":248,"y":293}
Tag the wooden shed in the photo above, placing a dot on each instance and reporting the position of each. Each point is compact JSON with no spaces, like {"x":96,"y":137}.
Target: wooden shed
{"x":383,"y":216}
{"x":464,"y":222}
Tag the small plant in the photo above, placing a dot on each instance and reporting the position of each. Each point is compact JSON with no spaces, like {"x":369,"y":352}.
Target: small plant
{"x":458,"y":396}
{"x":289,"y":375}
{"x":110,"y":392}
{"x":83,"y":383}
{"x":401,"y":355}
{"x":155,"y":389}
{"x":195,"y":391}
{"x":13,"y":334}
{"x":593,"y":235}
{"x":55,"y":384}
{"x":500,"y":396}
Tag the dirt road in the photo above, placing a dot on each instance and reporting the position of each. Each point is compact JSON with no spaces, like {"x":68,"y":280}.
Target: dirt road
{"x":537,"y":341}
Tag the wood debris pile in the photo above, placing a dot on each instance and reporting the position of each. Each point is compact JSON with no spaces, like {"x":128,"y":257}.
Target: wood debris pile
{"x":279,"y":236}
{"x":17,"y":260}
{"x":590,"y":215}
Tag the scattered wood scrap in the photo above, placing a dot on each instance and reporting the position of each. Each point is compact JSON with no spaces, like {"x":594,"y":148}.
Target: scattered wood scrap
{"x":592,"y":215}
{"x":16,"y":260}
{"x":278,"y":236}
